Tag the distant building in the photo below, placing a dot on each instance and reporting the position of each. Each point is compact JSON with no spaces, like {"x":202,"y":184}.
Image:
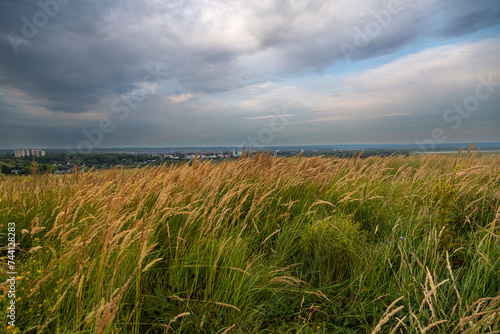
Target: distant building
{"x":20,"y":152}
{"x":237,"y":154}
{"x":37,"y":153}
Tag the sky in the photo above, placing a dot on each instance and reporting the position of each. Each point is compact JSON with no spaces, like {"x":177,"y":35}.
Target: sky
{"x":121,"y":73}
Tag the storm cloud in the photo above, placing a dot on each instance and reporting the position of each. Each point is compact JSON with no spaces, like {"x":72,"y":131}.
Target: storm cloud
{"x":172,"y":73}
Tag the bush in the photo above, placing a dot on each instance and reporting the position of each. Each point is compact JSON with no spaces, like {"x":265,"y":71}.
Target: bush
{"x":6,"y":170}
{"x":332,"y":247}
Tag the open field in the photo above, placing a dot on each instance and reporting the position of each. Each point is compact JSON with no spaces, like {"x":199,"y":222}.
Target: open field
{"x":259,"y":245}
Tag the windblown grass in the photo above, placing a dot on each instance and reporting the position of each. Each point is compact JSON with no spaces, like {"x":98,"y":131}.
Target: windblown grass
{"x":260,"y":245}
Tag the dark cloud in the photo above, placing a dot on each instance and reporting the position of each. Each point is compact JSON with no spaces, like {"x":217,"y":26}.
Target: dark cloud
{"x":65,"y":63}
{"x":76,"y":58}
{"x":480,"y":15}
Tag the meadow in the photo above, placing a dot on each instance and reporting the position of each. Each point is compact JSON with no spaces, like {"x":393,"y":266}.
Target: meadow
{"x":258,"y":245}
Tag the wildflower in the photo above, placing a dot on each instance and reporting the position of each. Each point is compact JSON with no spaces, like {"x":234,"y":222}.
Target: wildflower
{"x":401,"y":237}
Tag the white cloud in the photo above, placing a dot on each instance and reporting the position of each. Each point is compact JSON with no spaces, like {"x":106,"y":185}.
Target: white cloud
{"x":180,"y":98}
{"x":389,"y":115}
{"x":426,"y":82}
{"x":268,"y":116}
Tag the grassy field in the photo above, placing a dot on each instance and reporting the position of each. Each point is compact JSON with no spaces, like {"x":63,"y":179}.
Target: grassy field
{"x":259,"y":245}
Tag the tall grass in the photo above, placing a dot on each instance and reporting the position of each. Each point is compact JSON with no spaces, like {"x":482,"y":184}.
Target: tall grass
{"x":260,"y":245}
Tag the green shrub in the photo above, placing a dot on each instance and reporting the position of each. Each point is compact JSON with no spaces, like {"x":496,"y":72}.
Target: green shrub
{"x":332,"y":247}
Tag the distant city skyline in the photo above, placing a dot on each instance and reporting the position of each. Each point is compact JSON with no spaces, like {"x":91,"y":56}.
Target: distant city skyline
{"x":22,"y":152}
{"x":94,"y":74}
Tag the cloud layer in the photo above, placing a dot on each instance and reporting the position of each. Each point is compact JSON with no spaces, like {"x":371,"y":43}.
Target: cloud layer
{"x":211,"y":72}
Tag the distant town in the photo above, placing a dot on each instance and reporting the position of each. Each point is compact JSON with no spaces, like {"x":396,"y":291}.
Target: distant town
{"x":20,"y":161}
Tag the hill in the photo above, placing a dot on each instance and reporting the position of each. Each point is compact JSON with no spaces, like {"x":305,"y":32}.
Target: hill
{"x":5,"y":164}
